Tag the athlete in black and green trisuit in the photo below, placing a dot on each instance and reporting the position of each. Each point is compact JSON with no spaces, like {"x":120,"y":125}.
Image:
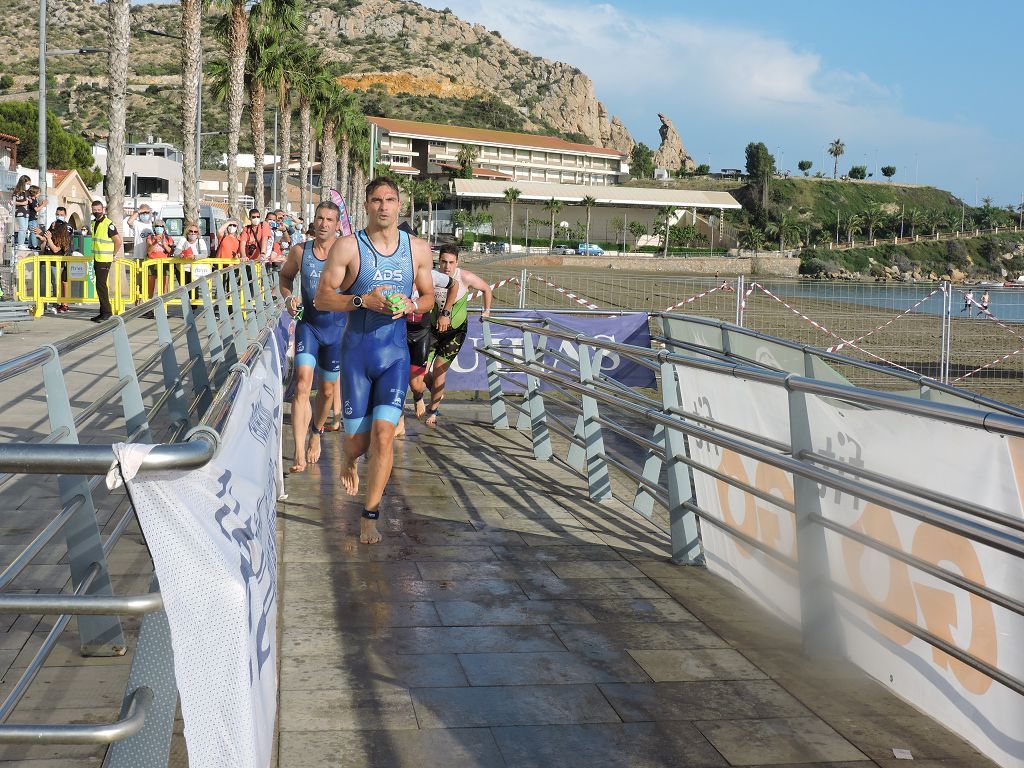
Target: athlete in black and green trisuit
{"x":450,"y":326}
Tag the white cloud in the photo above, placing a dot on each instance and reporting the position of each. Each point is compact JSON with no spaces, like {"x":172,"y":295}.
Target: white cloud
{"x":724,"y":86}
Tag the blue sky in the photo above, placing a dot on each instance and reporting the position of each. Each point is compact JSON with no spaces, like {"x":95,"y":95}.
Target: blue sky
{"x":930,"y":87}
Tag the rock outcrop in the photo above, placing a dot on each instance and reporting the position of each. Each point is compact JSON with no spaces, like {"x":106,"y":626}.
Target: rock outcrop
{"x":377,"y":38}
{"x":671,"y":154}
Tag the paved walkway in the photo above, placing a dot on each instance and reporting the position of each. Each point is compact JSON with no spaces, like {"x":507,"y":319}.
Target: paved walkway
{"x":507,"y":620}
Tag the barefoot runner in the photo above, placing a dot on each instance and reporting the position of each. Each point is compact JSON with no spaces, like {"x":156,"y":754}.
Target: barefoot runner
{"x":450,"y":325}
{"x":317,"y":335}
{"x":376,"y":270}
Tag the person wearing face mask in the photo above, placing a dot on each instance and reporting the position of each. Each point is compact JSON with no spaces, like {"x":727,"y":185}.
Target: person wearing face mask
{"x":190,"y":247}
{"x":140,"y":223}
{"x":106,"y":244}
{"x":229,"y":244}
{"x":256,"y":237}
{"x":159,"y":245}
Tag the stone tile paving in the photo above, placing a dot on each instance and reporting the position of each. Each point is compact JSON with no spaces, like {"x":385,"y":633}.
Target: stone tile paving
{"x":507,"y":620}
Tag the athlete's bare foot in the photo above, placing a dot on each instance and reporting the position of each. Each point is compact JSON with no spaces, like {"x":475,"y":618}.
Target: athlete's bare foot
{"x":313,"y":449}
{"x":297,"y":467}
{"x":368,"y":533}
{"x":431,"y":418}
{"x":335,"y":427}
{"x":421,"y":408}
{"x":350,"y":477}
{"x":400,"y":427}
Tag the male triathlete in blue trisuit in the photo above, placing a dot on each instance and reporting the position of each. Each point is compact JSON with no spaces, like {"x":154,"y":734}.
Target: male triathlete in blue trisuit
{"x":376,"y":269}
{"x":317,"y":335}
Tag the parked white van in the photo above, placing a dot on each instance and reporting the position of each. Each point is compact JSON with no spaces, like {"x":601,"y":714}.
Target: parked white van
{"x":210,"y":220}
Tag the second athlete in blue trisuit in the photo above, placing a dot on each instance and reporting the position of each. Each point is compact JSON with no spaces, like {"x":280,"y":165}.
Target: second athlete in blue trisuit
{"x":376,"y":271}
{"x":317,"y":335}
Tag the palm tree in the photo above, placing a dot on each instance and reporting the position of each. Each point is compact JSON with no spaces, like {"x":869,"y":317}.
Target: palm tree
{"x":191,"y":80}
{"x":310,"y":80}
{"x":754,"y":239}
{"x":280,"y":73}
{"x":915,"y":218}
{"x":554,"y":208}
{"x":237,"y":39}
{"x":511,"y":195}
{"x":783,"y":228}
{"x":951,"y":220}
{"x":118,"y":40}
{"x":664,"y":217}
{"x":330,"y":108}
{"x":854,"y":226}
{"x":411,"y":187}
{"x":359,"y":161}
{"x":588,"y":203}
{"x":874,"y":215}
{"x":269,"y":21}
{"x":836,"y":149}
{"x":637,"y":229}
{"x":350,"y":121}
{"x":430,"y":190}
{"x":466,"y":157}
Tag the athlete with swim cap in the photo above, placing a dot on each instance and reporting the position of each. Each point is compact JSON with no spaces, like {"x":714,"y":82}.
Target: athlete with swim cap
{"x":317,"y":335}
{"x":450,"y":325}
{"x":377,"y":270}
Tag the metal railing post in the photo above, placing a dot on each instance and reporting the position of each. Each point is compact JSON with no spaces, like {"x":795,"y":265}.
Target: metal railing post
{"x":177,"y":407}
{"x":947,"y":329}
{"x":499,"y":413}
{"x":200,"y":371}
{"x":685,"y":533}
{"x":818,"y":620}
{"x":739,"y":300}
{"x":216,"y":343}
{"x":251,"y":317}
{"x":98,"y":635}
{"x":537,"y":420}
{"x":135,"y":418}
{"x":522,"y":289}
{"x":598,"y":481}
{"x":153,"y":668}
{"x":241,"y":333}
{"x":643,"y":501}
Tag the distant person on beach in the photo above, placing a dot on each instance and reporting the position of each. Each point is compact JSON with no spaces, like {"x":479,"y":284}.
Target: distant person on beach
{"x":968,"y":302}
{"x":984,"y":303}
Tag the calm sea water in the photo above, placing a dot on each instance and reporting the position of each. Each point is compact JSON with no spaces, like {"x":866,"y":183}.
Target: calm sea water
{"x":1005,"y":303}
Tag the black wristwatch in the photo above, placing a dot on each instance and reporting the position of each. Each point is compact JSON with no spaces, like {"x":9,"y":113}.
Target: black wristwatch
{"x":446,"y":313}
{"x":357,"y":302}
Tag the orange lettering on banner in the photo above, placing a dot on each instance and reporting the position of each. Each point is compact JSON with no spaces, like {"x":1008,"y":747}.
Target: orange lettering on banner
{"x":939,"y":605}
{"x":877,"y":523}
{"x":759,"y":520}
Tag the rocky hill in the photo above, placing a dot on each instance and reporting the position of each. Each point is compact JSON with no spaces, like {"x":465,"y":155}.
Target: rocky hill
{"x":405,"y":61}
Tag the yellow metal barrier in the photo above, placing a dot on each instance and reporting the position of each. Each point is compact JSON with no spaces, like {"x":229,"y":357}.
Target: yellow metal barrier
{"x":40,"y":281}
{"x":159,"y":276}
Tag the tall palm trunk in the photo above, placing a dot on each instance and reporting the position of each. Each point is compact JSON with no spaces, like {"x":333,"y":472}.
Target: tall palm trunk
{"x":328,"y":158}
{"x":304,"y":130}
{"x":285,"y":105}
{"x":191,"y":18}
{"x":118,"y":38}
{"x":551,"y":245}
{"x":257,"y":111}
{"x":588,"y":228}
{"x":238,"y":36}
{"x":358,"y":208}
{"x":346,"y":150}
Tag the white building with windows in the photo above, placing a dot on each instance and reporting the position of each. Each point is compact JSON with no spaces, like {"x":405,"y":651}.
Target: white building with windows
{"x":424,"y":150}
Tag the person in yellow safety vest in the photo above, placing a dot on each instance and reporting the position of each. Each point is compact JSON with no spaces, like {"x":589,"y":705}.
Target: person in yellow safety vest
{"x":106,"y":244}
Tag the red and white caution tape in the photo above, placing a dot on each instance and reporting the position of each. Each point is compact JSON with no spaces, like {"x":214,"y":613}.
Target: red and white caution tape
{"x":684,"y":302}
{"x":838,"y":347}
{"x":989,"y":365}
{"x":568,"y":294}
{"x":823,"y":329}
{"x":494,"y":286}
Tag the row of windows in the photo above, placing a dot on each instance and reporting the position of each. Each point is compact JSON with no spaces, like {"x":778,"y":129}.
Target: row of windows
{"x":450,"y":150}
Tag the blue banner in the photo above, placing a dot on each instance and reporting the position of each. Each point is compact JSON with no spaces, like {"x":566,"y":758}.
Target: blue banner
{"x":468,"y":371}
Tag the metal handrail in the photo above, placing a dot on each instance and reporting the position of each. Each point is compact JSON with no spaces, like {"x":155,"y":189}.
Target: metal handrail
{"x":917,"y":378}
{"x":988,"y":527}
{"x":139,"y":702}
{"x":47,"y":456}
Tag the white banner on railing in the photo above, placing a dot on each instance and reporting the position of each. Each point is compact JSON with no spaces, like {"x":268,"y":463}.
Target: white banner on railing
{"x":212,"y":533}
{"x":965,"y":463}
